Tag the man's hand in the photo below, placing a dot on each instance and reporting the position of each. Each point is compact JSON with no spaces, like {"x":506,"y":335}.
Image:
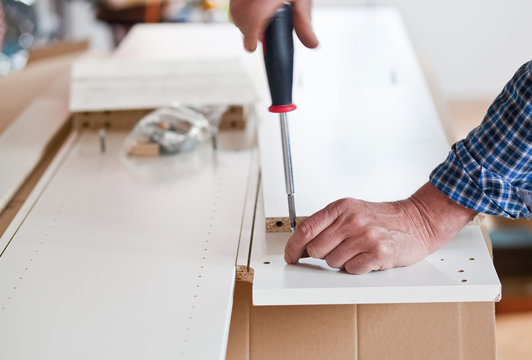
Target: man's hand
{"x":252,"y":18}
{"x":361,"y":236}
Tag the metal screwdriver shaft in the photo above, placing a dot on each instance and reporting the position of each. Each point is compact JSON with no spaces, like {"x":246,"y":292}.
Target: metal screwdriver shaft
{"x":288,"y":174}
{"x":278,"y":47}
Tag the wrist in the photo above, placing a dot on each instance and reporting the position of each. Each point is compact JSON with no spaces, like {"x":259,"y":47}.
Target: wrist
{"x":442,"y":216}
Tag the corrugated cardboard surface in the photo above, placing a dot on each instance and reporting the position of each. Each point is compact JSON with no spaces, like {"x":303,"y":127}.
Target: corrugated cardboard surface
{"x":360,"y":332}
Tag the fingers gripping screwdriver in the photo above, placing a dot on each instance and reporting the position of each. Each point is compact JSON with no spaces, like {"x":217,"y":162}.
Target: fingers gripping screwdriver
{"x":278,"y":46}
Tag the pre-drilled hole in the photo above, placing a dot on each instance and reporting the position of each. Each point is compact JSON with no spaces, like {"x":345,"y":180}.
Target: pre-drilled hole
{"x":279,"y":223}
{"x":464,"y":280}
{"x":460,"y":270}
{"x":471,"y":259}
{"x":267,"y":262}
{"x":442,"y":259}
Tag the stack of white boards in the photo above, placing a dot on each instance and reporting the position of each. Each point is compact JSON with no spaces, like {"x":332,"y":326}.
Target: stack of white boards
{"x":161,"y":64}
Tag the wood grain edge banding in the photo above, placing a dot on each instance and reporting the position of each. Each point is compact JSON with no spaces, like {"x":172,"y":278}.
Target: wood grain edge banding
{"x":281,"y":224}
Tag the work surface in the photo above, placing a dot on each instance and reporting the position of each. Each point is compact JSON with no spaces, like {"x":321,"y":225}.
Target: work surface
{"x":113,"y":257}
{"x":125,"y":258}
{"x":367,"y":128}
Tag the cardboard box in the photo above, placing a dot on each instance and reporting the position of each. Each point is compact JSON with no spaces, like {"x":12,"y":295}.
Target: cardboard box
{"x":360,"y":332}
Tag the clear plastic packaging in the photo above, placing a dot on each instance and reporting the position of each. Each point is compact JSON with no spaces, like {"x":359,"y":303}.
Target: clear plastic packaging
{"x":173,"y":130}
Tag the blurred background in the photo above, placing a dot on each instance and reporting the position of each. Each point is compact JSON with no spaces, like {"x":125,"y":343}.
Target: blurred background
{"x":468,"y":50}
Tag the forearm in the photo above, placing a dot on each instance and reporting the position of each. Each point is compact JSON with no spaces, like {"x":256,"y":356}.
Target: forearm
{"x":491,"y":170}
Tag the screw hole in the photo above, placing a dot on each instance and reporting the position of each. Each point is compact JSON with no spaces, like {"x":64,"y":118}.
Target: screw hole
{"x":471,"y":259}
{"x":267,"y":262}
{"x":442,"y":259}
{"x":279,"y":223}
{"x":460,"y":270}
{"x":464,"y":280}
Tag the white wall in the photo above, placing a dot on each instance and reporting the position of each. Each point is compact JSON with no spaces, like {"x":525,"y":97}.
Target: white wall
{"x":474,"y":46}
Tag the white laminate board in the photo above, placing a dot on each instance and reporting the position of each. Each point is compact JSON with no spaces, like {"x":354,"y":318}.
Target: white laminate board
{"x":159,"y":64}
{"x":23,"y":143}
{"x":126,"y":258}
{"x":312,"y":282}
{"x":365,"y":125}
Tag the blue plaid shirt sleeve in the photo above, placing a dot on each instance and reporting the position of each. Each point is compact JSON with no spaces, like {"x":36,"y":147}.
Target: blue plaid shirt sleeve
{"x":490,"y":171}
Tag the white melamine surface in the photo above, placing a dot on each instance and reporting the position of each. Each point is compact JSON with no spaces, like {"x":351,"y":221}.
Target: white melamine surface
{"x":24,"y":142}
{"x":312,"y":282}
{"x":125,"y":258}
{"x":365,"y":126}
{"x":159,"y":64}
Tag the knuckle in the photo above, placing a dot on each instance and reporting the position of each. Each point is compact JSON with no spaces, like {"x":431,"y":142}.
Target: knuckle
{"x":355,"y":269}
{"x":344,"y":204}
{"x":382,"y":250}
{"x":313,"y":251}
{"x":332,"y":262}
{"x":371,"y":233}
{"x":306,"y":228}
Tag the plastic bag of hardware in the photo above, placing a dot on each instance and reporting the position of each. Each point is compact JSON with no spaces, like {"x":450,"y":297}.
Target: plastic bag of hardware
{"x":170,"y":130}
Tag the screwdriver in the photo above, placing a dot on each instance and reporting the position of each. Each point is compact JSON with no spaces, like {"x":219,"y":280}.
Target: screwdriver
{"x":278,"y":46}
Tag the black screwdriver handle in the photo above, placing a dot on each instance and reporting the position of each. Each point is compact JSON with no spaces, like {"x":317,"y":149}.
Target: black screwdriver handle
{"x":278,"y":45}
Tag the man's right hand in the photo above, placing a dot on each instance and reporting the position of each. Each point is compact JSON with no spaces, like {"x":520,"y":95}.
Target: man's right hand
{"x":253,"y":16}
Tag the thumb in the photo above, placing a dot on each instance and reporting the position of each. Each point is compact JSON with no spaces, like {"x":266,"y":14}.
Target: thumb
{"x":250,"y":41}
{"x":302,"y":23}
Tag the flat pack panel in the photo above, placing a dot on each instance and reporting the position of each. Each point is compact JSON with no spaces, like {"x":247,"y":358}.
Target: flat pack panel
{"x":461,"y":271}
{"x":24,"y":142}
{"x":126,"y":258}
{"x":160,"y":64}
{"x":365,"y":125}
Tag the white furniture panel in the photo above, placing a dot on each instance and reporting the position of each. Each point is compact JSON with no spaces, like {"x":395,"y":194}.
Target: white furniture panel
{"x":126,"y":258}
{"x":461,"y":271}
{"x":365,"y":126}
{"x":158,"y":64}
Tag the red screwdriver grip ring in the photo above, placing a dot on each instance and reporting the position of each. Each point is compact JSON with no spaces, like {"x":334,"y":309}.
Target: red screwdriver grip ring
{"x":282,"y":108}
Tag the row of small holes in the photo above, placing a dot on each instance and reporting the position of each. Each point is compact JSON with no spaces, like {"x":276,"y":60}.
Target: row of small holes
{"x":194,"y":307}
{"x":36,"y":251}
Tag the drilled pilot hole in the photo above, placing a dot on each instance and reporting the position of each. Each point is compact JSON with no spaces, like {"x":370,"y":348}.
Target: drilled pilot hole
{"x":460,"y":270}
{"x":471,"y":259}
{"x":442,"y":259}
{"x":464,"y":280}
{"x":266,"y":262}
{"x":279,"y":223}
